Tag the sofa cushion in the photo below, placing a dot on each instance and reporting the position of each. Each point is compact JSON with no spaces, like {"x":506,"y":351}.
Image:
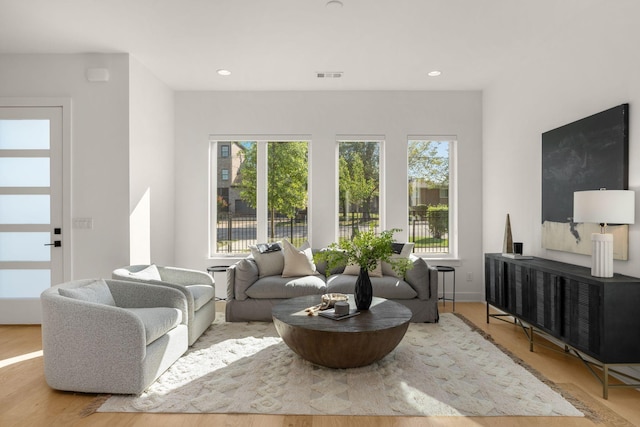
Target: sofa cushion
{"x":157,"y":321}
{"x":286,"y":287}
{"x":270,"y":263}
{"x":202,"y":294}
{"x":383,"y":287}
{"x":148,"y":273}
{"x":97,"y":291}
{"x":297,"y":261}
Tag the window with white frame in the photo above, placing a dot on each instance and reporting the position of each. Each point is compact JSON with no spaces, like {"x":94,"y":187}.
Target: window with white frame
{"x":264,"y":196}
{"x":358,"y":187}
{"x":430,"y":182}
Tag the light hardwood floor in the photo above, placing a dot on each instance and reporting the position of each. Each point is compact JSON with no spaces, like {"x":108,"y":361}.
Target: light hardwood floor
{"x":26,"y":400}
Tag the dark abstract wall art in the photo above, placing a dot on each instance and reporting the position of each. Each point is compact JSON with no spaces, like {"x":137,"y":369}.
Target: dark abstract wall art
{"x":587,"y":154}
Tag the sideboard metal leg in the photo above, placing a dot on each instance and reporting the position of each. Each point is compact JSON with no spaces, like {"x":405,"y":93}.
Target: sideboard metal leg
{"x":531,"y":338}
{"x":605,"y":382}
{"x":487,"y":312}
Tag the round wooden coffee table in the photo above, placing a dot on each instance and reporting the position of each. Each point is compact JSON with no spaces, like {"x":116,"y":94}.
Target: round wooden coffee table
{"x":348,"y":343}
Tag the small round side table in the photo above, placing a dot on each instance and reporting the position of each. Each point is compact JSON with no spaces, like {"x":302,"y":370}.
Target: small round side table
{"x":444,"y":270}
{"x":218,"y":269}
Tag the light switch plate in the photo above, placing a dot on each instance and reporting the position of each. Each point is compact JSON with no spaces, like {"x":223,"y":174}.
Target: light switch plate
{"x":83,"y":223}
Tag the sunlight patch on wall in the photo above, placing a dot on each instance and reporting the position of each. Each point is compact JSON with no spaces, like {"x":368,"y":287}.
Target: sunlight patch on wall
{"x":140,"y":231}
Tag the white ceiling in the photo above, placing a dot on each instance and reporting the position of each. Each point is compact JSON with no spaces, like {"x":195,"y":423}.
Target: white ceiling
{"x":281,"y":44}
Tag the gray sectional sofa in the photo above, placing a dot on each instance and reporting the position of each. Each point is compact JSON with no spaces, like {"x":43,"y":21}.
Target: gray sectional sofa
{"x":256,"y":283}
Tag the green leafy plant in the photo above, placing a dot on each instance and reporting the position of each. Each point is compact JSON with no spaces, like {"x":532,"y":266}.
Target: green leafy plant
{"x":364,"y":250}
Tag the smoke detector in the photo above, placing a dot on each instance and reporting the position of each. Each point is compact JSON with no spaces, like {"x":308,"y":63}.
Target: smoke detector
{"x":329,"y":74}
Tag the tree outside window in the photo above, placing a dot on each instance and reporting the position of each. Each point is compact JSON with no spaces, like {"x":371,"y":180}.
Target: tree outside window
{"x":429,"y":180}
{"x":358,"y":186}
{"x":285,"y":188}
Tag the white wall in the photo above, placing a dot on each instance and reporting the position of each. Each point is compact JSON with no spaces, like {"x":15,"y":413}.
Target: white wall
{"x":323,"y":115}
{"x":99,"y":148}
{"x":151,"y":180}
{"x":591,"y":71}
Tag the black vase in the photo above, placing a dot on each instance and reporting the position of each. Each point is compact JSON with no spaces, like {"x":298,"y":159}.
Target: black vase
{"x":363,"y":292}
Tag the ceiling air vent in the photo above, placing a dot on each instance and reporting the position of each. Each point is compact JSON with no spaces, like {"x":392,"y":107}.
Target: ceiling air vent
{"x":329,"y":74}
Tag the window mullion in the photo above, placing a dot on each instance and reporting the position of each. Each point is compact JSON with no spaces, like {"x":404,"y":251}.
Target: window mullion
{"x":262,"y":193}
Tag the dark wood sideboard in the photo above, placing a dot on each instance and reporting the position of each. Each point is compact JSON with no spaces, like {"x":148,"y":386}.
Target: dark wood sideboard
{"x":592,"y":316}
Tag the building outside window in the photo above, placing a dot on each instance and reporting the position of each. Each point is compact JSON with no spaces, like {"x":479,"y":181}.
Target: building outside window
{"x":225,"y":150}
{"x":255,"y":205}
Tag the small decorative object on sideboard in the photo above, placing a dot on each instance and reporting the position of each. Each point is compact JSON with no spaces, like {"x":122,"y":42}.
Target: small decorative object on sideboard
{"x":517,"y":248}
{"x":507,"y":245}
{"x":517,"y":252}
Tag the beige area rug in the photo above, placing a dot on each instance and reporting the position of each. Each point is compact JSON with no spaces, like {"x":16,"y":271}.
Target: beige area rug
{"x":443,"y":369}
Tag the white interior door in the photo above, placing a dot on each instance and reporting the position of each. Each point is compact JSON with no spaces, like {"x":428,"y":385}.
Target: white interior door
{"x":31,"y":234}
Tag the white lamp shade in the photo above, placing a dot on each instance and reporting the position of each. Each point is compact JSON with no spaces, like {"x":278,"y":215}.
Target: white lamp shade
{"x":604,"y":206}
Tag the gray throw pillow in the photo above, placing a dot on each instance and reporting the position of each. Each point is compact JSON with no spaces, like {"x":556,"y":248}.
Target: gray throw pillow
{"x":400,"y":250}
{"x":269,"y":263}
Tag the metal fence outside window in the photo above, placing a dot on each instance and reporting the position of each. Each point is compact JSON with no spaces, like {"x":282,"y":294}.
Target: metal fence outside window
{"x":353,"y":223}
{"x":430,"y":232}
{"x":234,"y":233}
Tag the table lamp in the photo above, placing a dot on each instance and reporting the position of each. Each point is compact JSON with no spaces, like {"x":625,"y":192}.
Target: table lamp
{"x":603,"y":207}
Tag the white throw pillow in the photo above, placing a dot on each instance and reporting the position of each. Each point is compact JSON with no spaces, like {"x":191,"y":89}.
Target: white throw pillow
{"x":354,"y":270}
{"x":269,"y":263}
{"x":149,"y":273}
{"x":298,"y":261}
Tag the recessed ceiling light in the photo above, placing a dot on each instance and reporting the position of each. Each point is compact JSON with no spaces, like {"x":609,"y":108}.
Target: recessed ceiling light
{"x":434,"y":73}
{"x":224,"y":72}
{"x":334,"y":4}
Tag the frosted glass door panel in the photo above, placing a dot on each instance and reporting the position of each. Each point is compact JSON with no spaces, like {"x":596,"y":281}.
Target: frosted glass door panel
{"x":32,"y":230}
{"x":24,"y":283}
{"x":25,"y":209}
{"x":24,"y":172}
{"x":24,"y":134}
{"x":16,"y":246}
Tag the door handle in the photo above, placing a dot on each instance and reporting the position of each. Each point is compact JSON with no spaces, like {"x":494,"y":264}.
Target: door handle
{"x":55,"y":244}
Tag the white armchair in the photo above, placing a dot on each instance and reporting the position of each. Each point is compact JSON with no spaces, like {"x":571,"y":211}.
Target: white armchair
{"x":198,"y":288}
{"x":109,"y":336}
